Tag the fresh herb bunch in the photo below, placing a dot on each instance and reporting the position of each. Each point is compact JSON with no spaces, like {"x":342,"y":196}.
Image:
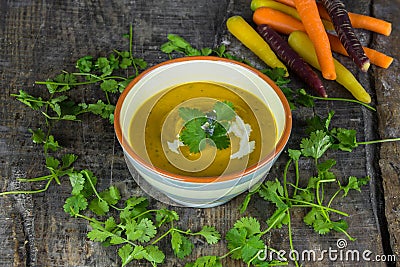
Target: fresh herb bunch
{"x":213,"y":125}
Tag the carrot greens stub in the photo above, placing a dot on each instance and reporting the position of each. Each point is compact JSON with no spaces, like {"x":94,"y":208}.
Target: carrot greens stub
{"x":346,"y":34}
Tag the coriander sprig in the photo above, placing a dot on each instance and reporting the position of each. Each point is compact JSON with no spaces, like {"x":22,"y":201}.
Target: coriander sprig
{"x":200,"y":126}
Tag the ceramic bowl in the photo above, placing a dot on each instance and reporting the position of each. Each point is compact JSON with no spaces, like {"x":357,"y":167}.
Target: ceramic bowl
{"x":192,"y":191}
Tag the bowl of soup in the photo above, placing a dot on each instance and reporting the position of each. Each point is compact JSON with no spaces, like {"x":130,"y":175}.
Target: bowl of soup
{"x":199,"y":131}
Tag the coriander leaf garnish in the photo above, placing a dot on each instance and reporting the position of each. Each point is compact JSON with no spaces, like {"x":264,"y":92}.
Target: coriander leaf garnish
{"x":200,"y":126}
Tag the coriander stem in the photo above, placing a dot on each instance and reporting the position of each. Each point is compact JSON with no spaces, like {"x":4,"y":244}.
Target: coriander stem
{"x":291,"y":237}
{"x":163,"y":235}
{"x":229,"y":253}
{"x":36,"y":179}
{"x":333,"y":197}
{"x":296,"y":163}
{"x":379,"y":141}
{"x":308,"y":204}
{"x":274,"y":222}
{"x":284,"y":179}
{"x":27,"y":192}
{"x":344,"y":100}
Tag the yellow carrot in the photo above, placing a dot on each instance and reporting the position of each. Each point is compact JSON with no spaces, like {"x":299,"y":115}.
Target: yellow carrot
{"x":302,"y":44}
{"x":249,"y":37}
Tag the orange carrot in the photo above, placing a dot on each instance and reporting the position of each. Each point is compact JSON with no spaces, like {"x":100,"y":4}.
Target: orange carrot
{"x":377,"y":58}
{"x":362,"y":22}
{"x":285,"y":9}
{"x":357,"y":20}
{"x":308,"y":12}
{"x":277,"y":20}
{"x":287,"y":2}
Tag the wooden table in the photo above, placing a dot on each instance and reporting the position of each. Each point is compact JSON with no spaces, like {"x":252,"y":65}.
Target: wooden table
{"x":38,"y":39}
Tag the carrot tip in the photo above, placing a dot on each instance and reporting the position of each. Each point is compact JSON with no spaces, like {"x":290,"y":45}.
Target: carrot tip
{"x":365,"y":66}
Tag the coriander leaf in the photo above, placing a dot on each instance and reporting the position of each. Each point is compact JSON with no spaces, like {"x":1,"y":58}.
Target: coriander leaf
{"x":134,"y":206}
{"x":51,"y":144}
{"x":99,"y":206}
{"x":205,"y":261}
{"x":181,"y":245}
{"x":326,"y":165}
{"x":109,"y":85}
{"x":294,"y":154}
{"x":116,"y":240}
{"x":154,"y":254}
{"x":110,"y":224}
{"x":346,"y":139}
{"x":111,"y":195}
{"x":38,"y":136}
{"x":304,"y":99}
{"x":140,"y":62}
{"x":176,"y":240}
{"x":252,"y":246}
{"x":125,"y":253}
{"x":188,"y":114}
{"x":85,"y":64}
{"x":279,"y":218}
{"x":34,"y":103}
{"x":354,"y":183}
{"x":224,"y":111}
{"x":98,"y":235}
{"x":77,"y":181}
{"x":165,"y":216}
{"x":142,"y":231}
{"x":147,"y":228}
{"x":211,"y":234}
{"x":52,"y":163}
{"x":67,"y":160}
{"x":90,"y":179}
{"x":316,"y":145}
{"x":193,"y":134}
{"x":74,"y":204}
{"x":219,"y":136}
{"x":236,"y":238}
{"x":277,"y":75}
{"x":273,"y":191}
{"x":103,"y":65}
{"x":125,"y":62}
{"x":252,"y":225}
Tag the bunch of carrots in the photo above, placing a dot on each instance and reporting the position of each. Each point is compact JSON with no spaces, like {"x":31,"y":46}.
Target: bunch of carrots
{"x":314,"y":30}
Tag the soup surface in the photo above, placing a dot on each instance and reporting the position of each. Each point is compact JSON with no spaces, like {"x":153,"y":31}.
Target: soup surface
{"x":156,"y":126}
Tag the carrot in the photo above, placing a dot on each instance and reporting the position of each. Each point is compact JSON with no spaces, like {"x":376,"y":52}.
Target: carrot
{"x":377,"y":58}
{"x":291,"y":59}
{"x":279,"y":21}
{"x":345,"y":31}
{"x":287,"y":2}
{"x":249,"y":37}
{"x":362,"y":22}
{"x":302,"y":44}
{"x":308,"y":12}
{"x":285,"y":9}
{"x":286,"y":24}
{"x":357,"y":20}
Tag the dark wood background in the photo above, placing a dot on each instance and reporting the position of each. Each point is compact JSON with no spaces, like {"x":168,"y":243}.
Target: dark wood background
{"x":38,"y":39}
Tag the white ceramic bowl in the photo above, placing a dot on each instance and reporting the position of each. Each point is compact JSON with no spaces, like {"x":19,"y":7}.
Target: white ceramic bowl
{"x":199,"y":191}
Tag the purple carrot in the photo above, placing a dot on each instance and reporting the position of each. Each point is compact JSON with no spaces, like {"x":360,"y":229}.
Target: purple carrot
{"x":345,"y":31}
{"x":291,"y":59}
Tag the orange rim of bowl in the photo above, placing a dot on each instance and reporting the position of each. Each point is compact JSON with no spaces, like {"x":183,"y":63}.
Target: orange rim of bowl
{"x":204,"y":179}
